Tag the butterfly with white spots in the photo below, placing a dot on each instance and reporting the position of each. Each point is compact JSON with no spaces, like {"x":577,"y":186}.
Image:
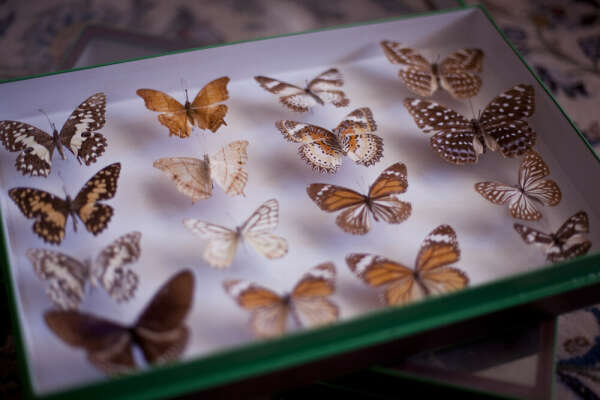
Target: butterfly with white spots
{"x":67,"y":277}
{"x":78,"y":135}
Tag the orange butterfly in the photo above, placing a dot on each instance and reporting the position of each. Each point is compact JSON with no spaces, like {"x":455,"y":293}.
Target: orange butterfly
{"x":431,"y":275}
{"x":202,"y":112}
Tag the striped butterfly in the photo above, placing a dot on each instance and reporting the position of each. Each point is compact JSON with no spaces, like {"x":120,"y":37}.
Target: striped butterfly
{"x":67,"y":276}
{"x":51,"y":212}
{"x":501,"y":126}
{"x":569,"y":241}
{"x":160,"y":331}
{"x":432,"y":274}
{"x":457,"y":73}
{"x":381,"y":201}
{"x":323,"y":89}
{"x":531,"y":189}
{"x":77,"y":135}
{"x":307,"y":303}
{"x":222,"y":242}
{"x":203,"y":112}
{"x":323,"y":149}
{"x":194,"y":177}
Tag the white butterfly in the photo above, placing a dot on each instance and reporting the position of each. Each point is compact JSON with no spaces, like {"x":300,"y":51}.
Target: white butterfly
{"x":223,"y":242}
{"x":67,"y":276}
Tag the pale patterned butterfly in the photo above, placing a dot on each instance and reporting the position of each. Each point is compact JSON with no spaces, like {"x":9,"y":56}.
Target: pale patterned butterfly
{"x":222,"y":242}
{"x":457,"y":73}
{"x":569,"y":241}
{"x":194,"y":177}
{"x":77,"y":135}
{"x":381,"y":201}
{"x":323,"y":149}
{"x":308,"y":302}
{"x":432,"y":274}
{"x":160,"y":331}
{"x":501,"y":126}
{"x":323,"y":89}
{"x":67,"y":277}
{"x":532,"y":189}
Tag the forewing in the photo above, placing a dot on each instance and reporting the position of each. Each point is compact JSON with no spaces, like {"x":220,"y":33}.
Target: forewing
{"x":577,"y":224}
{"x":222,"y":242}
{"x":324,"y":86}
{"x":356,"y":137}
{"x":439,"y":249}
{"x":257,"y":231}
{"x":291,"y":96}
{"x":355,"y":218}
{"x":310,"y":304}
{"x":227,"y":167}
{"x":497,"y":192}
{"x":383,"y":194}
{"x":156,"y":100}
{"x":35,"y":145}
{"x":214,"y":92}
{"x":192,"y":176}
{"x":397,"y":54}
{"x":533,"y":236}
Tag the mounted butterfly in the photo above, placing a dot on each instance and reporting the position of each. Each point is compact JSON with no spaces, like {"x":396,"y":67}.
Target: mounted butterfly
{"x":77,"y":135}
{"x":203,"y":112}
{"x":160,"y":331}
{"x":502,"y":126}
{"x":194,"y":177}
{"x":457,"y":73}
{"x":323,"y":89}
{"x":67,"y":277}
{"x":51,"y":212}
{"x":308,"y":302}
{"x":323,"y":149}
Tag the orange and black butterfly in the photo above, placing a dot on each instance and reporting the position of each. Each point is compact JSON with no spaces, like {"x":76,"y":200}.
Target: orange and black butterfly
{"x":160,"y":331}
{"x":431,"y":275}
{"x":203,"y":112}
{"x":381,"y":201}
{"x":308,"y":302}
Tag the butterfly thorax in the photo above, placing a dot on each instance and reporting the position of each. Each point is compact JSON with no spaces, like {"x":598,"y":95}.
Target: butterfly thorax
{"x":286,"y":299}
{"x":314,"y":96}
{"x":57,"y":143}
{"x":72,"y":211}
{"x":435,"y":71}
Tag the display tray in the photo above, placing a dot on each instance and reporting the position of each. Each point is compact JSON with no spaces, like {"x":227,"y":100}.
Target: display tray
{"x":503,"y":271}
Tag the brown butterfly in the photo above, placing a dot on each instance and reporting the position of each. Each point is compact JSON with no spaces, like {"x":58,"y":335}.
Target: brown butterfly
{"x":456,"y":73}
{"x":51,"y":212}
{"x":160,"y":330}
{"x":323,"y":89}
{"x":202,"y":112}
{"x":308,"y":302}
{"x":431,"y":274}
{"x":381,"y":201}
{"x":531,"y":189}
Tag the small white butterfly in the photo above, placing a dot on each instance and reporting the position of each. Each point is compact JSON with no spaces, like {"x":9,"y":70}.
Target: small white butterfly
{"x":67,"y":277}
{"x":222,"y":242}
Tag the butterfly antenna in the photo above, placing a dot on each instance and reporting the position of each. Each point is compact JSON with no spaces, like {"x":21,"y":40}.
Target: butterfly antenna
{"x":472,"y":109}
{"x":48,"y":118}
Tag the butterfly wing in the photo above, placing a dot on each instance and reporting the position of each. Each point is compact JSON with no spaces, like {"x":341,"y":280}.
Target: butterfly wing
{"x":269,"y":313}
{"x":311,"y":305}
{"x":355,"y":217}
{"x":160,"y":329}
{"x":418,"y":75}
{"x":222,"y":242}
{"x":227,"y":167}
{"x":65,"y":276}
{"x":35,"y":145}
{"x":102,"y":186}
{"x":192,"y":176}
{"x":257,"y":231}
{"x":49,"y":211}
{"x":533,"y":236}
{"x":571,"y":238}
{"x":454,"y":139}
{"x":206,"y":115}
{"x":383,"y":193}
{"x":325,"y":87}
{"x":457,"y":73}
{"x":320,"y":148}
{"x":291,"y":96}
{"x":78,"y":133}
{"x":356,"y":138}
{"x":111,"y":267}
{"x":174,"y":117}
{"x":531,"y":173}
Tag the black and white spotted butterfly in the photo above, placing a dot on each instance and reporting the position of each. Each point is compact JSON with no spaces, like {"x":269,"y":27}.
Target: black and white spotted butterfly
{"x":569,"y":241}
{"x":67,"y":277}
{"x":77,"y":135}
{"x":501,"y":126}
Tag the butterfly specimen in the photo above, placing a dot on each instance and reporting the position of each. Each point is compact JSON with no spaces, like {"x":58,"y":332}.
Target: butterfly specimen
{"x":323,"y":89}
{"x":431,"y":275}
{"x":160,"y":331}
{"x":323,"y":149}
{"x":67,"y":276}
{"x":223,"y":242}
{"x":203,"y":112}
{"x":567,"y":242}
{"x":194,"y":177}
{"x":501,"y":126}
{"x":308,"y":302}
{"x":77,"y":135}
{"x":457,"y":73}
{"x":51,"y":212}
{"x":531,"y":189}
{"x":381,"y":201}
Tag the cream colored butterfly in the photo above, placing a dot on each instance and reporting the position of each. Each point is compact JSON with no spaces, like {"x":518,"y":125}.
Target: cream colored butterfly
{"x":222,"y":242}
{"x":194,"y":177}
